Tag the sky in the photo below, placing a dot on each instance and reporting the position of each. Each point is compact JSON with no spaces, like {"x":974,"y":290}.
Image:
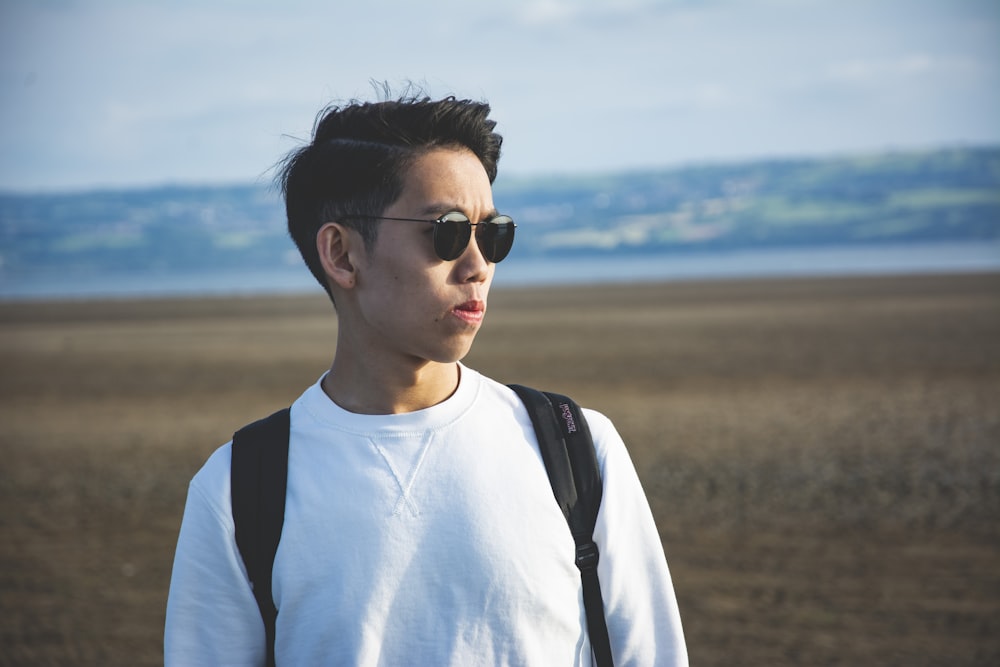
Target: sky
{"x":136,"y":93}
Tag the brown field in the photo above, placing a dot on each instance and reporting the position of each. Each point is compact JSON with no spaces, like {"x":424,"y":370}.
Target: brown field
{"x":822,"y":456}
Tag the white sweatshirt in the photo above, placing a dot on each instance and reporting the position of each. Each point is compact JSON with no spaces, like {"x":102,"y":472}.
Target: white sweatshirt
{"x":426,"y":538}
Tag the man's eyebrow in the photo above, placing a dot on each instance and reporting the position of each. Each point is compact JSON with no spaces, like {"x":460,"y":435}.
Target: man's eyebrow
{"x":437,"y":210}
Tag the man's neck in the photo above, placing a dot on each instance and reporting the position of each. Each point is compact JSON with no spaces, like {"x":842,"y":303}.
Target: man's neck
{"x":373,"y":389}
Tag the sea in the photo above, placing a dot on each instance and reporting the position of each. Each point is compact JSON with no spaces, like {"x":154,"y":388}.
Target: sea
{"x":826,"y":261}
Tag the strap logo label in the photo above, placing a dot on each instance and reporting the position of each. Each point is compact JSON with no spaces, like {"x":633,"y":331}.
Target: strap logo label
{"x":567,"y":416}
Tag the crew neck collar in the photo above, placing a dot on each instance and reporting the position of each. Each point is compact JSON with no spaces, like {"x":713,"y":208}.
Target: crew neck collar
{"x":321,"y":408}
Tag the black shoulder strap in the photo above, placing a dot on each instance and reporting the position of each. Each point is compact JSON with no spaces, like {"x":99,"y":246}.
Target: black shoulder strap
{"x":258,"y":477}
{"x":568,"y":453}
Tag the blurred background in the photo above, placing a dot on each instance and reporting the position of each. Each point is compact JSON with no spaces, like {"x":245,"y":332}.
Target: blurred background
{"x":762,"y":235}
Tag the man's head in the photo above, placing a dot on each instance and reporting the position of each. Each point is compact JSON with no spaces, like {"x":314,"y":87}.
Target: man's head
{"x":354,"y":168}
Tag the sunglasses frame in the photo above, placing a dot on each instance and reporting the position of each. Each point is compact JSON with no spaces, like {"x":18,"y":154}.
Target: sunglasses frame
{"x":450,"y":249}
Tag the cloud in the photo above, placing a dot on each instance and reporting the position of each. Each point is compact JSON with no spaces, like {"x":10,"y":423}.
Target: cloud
{"x":183,"y":90}
{"x":875,"y":70}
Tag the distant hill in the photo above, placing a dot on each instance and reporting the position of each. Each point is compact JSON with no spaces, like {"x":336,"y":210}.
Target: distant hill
{"x":943,"y":195}
{"x":892,"y":197}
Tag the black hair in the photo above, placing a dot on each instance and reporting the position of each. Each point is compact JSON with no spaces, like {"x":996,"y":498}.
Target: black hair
{"x":355,"y":163}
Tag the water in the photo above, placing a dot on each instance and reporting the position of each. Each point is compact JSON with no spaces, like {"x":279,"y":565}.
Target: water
{"x":799,"y":262}
{"x":962,"y":257}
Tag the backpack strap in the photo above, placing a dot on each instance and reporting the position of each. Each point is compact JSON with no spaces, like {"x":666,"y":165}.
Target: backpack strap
{"x":259,"y":475}
{"x":567,"y":450}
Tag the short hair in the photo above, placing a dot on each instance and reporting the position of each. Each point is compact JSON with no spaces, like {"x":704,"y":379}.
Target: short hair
{"x":355,"y":164}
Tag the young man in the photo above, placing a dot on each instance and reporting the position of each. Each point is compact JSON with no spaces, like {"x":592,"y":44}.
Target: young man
{"x":420,"y":527}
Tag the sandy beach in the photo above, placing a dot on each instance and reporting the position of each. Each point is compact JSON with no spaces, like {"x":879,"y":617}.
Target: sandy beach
{"x":822,"y":456}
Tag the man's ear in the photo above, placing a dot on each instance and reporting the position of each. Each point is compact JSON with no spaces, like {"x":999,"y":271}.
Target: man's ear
{"x":338,"y":248}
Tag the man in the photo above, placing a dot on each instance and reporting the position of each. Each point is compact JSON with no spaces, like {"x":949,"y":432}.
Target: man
{"x":420,"y":527}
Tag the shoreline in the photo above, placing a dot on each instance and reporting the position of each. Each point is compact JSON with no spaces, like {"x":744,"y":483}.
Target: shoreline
{"x":305,"y":295}
{"x":871,"y":260}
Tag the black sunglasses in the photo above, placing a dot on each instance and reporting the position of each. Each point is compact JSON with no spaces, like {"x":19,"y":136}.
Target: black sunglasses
{"x":452,"y":232}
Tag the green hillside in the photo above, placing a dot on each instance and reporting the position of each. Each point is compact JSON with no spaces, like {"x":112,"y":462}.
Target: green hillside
{"x":897,"y":197}
{"x":944,"y":195}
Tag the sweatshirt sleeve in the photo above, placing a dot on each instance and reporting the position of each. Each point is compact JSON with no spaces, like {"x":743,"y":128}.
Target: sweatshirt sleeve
{"x":643,"y":620}
{"x":212,"y":617}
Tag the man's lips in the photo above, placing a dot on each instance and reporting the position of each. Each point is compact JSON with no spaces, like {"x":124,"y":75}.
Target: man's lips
{"x":471,"y":311}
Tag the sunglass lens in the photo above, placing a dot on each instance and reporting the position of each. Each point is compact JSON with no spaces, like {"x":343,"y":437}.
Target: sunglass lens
{"x":495,"y":238}
{"x":451,"y":236}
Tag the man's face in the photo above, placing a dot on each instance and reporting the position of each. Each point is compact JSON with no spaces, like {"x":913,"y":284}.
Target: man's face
{"x":411,"y":304}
